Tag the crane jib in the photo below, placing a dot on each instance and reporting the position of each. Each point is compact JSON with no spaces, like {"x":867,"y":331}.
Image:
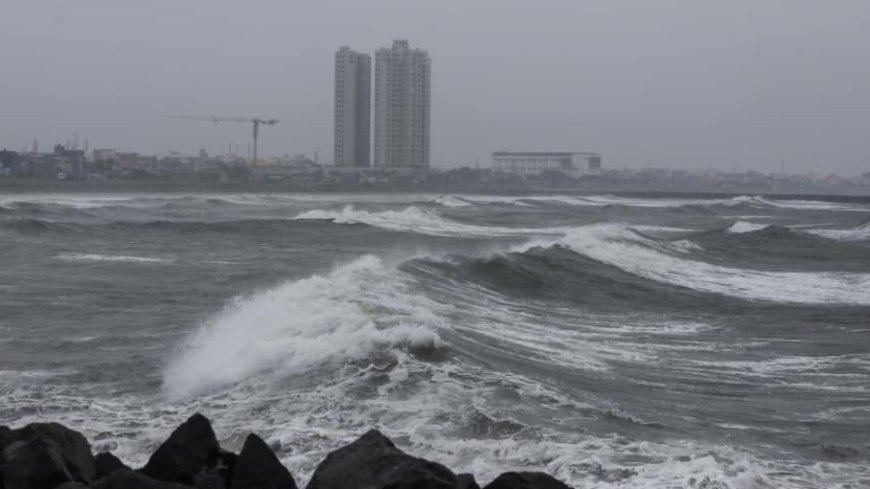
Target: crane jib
{"x":255,"y":121}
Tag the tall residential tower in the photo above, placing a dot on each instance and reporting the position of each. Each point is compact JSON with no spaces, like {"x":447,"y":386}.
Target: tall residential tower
{"x":402,"y":107}
{"x":353,"y":87}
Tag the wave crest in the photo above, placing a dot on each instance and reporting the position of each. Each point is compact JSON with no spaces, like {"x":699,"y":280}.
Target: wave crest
{"x":621,"y":246}
{"x":347,"y":314}
{"x":743,"y":227}
{"x":416,"y":220}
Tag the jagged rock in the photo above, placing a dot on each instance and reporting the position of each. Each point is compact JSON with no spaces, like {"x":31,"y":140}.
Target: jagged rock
{"x":36,"y":464}
{"x":127,"y":479}
{"x":108,"y":463}
{"x":526,"y":480}
{"x":466,"y":481}
{"x":72,"y":446}
{"x":257,"y":467}
{"x":71,"y":485}
{"x":190,"y":449}
{"x":210,"y":479}
{"x":374,"y":462}
{"x":6,"y":437}
{"x":227,"y":464}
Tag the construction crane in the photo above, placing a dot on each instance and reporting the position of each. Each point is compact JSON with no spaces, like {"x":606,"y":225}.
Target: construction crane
{"x":255,"y":121}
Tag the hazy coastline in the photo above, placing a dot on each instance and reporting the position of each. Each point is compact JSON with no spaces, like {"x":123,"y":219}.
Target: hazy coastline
{"x":131,"y":186}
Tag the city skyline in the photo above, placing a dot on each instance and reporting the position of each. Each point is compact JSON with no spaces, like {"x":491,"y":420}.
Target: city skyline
{"x":741,"y":84}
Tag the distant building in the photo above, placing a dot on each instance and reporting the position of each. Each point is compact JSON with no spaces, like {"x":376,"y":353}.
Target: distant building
{"x":531,"y":164}
{"x":353,"y":87}
{"x":402,"y":107}
{"x":71,"y":163}
{"x":9,"y":162}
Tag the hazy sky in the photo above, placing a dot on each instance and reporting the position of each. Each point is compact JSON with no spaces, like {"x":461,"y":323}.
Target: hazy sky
{"x":688,"y":84}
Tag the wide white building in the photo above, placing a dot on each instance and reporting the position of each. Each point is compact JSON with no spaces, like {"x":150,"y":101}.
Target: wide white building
{"x":353,"y":87}
{"x":531,"y":164}
{"x":402,"y":107}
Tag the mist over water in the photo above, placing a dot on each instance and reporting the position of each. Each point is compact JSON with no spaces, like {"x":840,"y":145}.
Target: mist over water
{"x":610,"y":341}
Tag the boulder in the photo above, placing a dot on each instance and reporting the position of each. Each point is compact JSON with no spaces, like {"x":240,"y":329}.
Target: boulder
{"x":526,"y":480}
{"x":128,"y":479}
{"x":36,"y":464}
{"x":466,"y":481}
{"x":374,"y":462}
{"x":210,"y":479}
{"x":257,"y":467}
{"x":108,"y":463}
{"x":227,"y":464}
{"x":72,"y":446}
{"x":190,"y":449}
{"x":6,"y":437}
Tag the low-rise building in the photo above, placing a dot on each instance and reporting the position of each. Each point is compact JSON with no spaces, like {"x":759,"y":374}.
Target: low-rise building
{"x":536,"y":163}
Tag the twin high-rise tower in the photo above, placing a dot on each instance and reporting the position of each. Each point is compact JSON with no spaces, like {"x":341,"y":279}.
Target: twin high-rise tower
{"x":402,"y":87}
{"x":353,"y":102}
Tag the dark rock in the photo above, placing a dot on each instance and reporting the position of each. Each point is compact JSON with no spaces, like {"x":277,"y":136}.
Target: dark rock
{"x":6,"y":437}
{"x":374,"y":462}
{"x":127,"y":479}
{"x":466,"y":481}
{"x":210,"y":479}
{"x":72,"y":446}
{"x":227,"y":464}
{"x":71,"y":485}
{"x":35,"y":464}
{"x":108,"y":463}
{"x":190,"y":449}
{"x":526,"y":480}
{"x":258,"y":468}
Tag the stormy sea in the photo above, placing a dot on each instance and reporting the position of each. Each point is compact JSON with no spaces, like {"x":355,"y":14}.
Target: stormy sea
{"x":705,"y":343}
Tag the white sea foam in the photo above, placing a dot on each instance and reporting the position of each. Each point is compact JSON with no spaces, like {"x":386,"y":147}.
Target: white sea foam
{"x":685,"y":246}
{"x":496,"y":199}
{"x":859,"y":233}
{"x":743,"y":227}
{"x":763,"y":202}
{"x":346,"y":314}
{"x":451,"y":201}
{"x":618,"y":245}
{"x":415,"y":219}
{"x":76,"y":202}
{"x":93,"y":257}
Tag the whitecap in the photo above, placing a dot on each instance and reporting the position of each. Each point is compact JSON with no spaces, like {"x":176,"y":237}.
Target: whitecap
{"x":344,"y":315}
{"x":743,"y":227}
{"x":93,"y":257}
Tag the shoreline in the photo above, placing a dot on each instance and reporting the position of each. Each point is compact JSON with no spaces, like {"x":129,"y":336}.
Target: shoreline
{"x":163,"y":187}
{"x":53,"y":456}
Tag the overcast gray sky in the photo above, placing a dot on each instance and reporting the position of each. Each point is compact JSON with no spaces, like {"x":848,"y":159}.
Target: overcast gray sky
{"x":684,"y":84}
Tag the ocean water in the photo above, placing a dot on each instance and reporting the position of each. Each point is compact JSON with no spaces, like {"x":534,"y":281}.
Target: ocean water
{"x":613,"y":342}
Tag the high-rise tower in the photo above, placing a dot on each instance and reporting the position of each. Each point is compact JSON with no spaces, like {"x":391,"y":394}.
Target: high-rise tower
{"x":353,"y":87}
{"x":402,"y":107}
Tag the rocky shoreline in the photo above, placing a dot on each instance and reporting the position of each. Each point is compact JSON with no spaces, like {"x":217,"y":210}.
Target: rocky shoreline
{"x":52,"y":456}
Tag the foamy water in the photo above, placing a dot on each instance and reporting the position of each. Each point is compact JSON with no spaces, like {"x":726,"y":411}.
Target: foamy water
{"x":611,"y":341}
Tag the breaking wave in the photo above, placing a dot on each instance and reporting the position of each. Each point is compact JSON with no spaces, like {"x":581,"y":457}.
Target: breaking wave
{"x":345,"y":315}
{"x":93,"y":257}
{"x":623,"y":247}
{"x":417,"y":220}
{"x":858,"y":233}
{"x":742,"y":227}
{"x":451,"y":201}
